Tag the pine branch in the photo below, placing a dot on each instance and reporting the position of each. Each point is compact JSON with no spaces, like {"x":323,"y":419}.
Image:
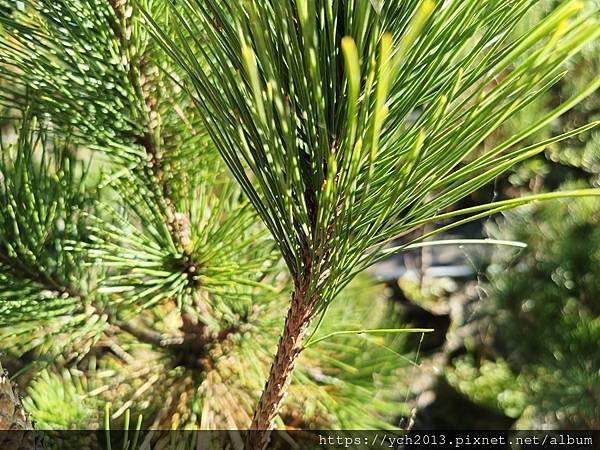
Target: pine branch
{"x":348,"y":126}
{"x":226,"y":255}
{"x":178,"y":293}
{"x":331,"y":389}
{"x":280,"y":375}
{"x":162,"y":145}
{"x":38,"y":274}
{"x":47,"y":52}
{"x":131,"y":128}
{"x":148,"y":336}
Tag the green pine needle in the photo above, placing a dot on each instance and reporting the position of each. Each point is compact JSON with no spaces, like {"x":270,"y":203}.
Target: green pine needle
{"x":362,"y":124}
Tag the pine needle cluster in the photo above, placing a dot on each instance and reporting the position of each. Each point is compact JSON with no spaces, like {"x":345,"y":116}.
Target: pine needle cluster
{"x":349,"y":124}
{"x":132,"y":269}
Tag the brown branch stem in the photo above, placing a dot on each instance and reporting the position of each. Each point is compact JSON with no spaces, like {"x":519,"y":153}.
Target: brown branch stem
{"x":280,"y":376}
{"x":12,"y":415}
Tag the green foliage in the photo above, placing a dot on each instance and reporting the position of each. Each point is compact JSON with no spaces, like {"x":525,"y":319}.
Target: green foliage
{"x":350,"y":382}
{"x":143,"y":277}
{"x":576,"y":158}
{"x":492,"y":384}
{"x":213,"y":243}
{"x":80,"y":63}
{"x":546,"y":309}
{"x":42,"y":195}
{"x":150,"y":236}
{"x":58,"y":401}
{"x":354,"y":120}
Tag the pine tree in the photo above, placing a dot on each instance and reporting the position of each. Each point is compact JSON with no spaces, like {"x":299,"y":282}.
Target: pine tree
{"x":132,"y":270}
{"x":347,"y":125}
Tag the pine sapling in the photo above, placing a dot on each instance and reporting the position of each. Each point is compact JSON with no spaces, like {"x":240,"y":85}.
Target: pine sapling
{"x":132,"y":268}
{"x":351,"y":124}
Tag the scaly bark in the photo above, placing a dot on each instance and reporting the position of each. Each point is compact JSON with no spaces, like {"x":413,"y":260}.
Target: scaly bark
{"x":13,"y":418}
{"x":280,"y":376}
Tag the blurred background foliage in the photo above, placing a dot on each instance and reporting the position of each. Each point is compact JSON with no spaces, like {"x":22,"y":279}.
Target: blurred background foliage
{"x":522,"y":344}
